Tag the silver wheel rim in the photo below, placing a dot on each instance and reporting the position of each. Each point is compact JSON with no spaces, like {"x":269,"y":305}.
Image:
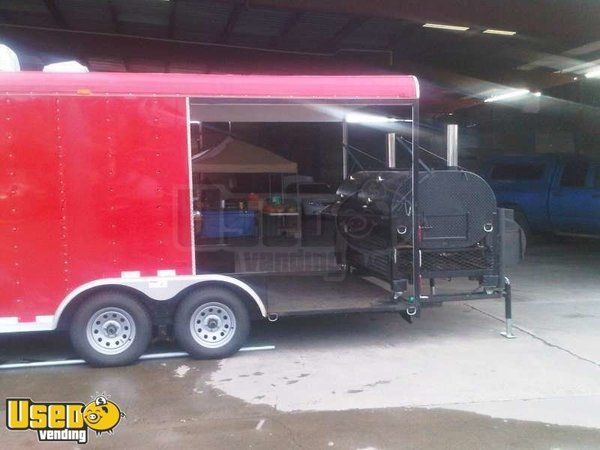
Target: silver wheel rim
{"x":111,"y":331}
{"x":212,"y":325}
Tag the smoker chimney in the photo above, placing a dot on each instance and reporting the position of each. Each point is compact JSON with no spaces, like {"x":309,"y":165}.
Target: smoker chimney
{"x":452,"y":145}
{"x":391,"y":150}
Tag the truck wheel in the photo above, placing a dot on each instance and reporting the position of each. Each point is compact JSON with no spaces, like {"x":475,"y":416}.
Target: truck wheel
{"x":211,"y":323}
{"x":111,"y":329}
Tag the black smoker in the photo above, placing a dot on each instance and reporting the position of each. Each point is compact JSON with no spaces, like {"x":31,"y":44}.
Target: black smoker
{"x":460,"y":232}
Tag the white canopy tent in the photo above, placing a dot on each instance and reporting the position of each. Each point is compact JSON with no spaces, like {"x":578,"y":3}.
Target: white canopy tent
{"x":236,"y":156}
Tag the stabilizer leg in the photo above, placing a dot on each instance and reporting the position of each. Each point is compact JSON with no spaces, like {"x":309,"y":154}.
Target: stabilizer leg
{"x":508,"y":333}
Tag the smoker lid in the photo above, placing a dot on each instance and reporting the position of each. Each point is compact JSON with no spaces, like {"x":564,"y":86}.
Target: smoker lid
{"x":455,"y":207}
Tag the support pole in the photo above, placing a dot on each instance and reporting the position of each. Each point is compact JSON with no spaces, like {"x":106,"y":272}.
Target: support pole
{"x":503,"y":281}
{"x":508,"y":311}
{"x":344,"y":150}
{"x":414,"y":307}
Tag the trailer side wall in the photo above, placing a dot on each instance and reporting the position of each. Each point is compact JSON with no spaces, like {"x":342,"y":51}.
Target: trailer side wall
{"x":90,"y":187}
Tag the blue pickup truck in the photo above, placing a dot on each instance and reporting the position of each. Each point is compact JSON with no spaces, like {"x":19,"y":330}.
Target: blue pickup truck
{"x":550,"y":193}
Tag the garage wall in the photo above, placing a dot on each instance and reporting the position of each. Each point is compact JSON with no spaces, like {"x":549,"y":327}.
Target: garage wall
{"x":563,"y":120}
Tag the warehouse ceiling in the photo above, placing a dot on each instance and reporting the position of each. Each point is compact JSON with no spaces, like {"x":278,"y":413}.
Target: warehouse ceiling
{"x":543,"y":43}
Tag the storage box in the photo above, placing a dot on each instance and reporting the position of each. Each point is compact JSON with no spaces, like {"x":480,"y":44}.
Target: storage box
{"x":228,"y":224}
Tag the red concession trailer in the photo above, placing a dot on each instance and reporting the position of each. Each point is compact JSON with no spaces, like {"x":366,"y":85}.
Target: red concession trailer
{"x":97,"y":220}
{"x":95,"y":200}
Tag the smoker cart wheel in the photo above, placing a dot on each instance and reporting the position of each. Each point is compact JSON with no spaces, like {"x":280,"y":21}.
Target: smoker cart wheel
{"x":111,"y":329}
{"x":211,"y":323}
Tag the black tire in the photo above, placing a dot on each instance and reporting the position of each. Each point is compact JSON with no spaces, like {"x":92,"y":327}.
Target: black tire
{"x":220,"y":331}
{"x":126,"y":310}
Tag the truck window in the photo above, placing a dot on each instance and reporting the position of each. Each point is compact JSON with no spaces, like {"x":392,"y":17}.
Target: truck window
{"x":574,"y":174}
{"x":517,"y":172}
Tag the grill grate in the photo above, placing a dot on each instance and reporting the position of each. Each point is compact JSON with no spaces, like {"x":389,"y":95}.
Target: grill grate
{"x":455,"y":260}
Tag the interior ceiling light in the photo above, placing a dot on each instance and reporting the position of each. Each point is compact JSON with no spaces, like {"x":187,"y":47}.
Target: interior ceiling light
{"x":509,"y":95}
{"x":372,"y":118}
{"x":595,"y":73}
{"x":537,"y":94}
{"x":441,"y":26}
{"x":582,"y":67}
{"x":500,"y":32}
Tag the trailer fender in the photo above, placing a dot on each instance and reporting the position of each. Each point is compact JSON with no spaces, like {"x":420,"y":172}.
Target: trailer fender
{"x":165,"y":286}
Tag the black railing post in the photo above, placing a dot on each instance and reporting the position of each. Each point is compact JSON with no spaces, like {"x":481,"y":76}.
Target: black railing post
{"x":416,"y":227}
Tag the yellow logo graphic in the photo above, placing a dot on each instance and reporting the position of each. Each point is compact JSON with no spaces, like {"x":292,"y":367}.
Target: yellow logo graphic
{"x":62,"y":421}
{"x":102,"y":415}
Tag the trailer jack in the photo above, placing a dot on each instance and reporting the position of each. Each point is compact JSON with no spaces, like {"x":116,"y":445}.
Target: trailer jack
{"x":508,"y":333}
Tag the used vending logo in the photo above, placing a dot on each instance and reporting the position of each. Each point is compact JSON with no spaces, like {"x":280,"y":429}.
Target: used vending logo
{"x":62,"y":421}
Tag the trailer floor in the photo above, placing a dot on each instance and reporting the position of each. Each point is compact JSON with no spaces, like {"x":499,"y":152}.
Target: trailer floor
{"x":448,"y":381}
{"x":316,"y":294}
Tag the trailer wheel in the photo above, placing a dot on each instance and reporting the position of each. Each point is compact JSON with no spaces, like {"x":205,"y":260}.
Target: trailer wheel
{"x":211,"y":323}
{"x":111,"y":329}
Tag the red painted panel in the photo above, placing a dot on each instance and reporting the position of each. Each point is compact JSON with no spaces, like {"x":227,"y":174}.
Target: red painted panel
{"x":30,"y":207}
{"x":314,"y":87}
{"x":98,"y":185}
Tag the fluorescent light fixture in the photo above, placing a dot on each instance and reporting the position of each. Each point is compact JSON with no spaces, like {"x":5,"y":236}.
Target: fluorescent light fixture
{"x":500,"y":32}
{"x":441,"y":26}
{"x":509,"y":95}
{"x":595,"y":73}
{"x":372,"y":118}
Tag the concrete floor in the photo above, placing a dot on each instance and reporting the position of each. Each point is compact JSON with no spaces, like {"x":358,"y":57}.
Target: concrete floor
{"x":448,"y":381}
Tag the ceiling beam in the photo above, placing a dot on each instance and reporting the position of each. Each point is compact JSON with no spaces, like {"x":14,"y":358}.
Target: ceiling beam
{"x":578,"y":18}
{"x":349,"y":27}
{"x":459,"y":75}
{"x":478,"y":84}
{"x":60,"y":20}
{"x":56,"y":13}
{"x":407,"y":31}
{"x":172,"y":20}
{"x":234,"y":15}
{"x":4,"y":17}
{"x":114,"y":16}
{"x":289,"y":25}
